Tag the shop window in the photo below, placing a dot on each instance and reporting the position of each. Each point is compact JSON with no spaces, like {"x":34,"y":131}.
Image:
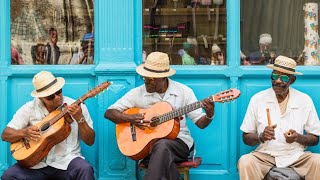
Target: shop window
{"x":279,"y":27}
{"x":192,"y":32}
{"x":52,"y":31}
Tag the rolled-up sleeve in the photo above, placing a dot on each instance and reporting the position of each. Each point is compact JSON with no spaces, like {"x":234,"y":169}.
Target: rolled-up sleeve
{"x":125,"y":101}
{"x":313,"y":124}
{"x":196,"y":114}
{"x":21,"y":118}
{"x":249,"y":121}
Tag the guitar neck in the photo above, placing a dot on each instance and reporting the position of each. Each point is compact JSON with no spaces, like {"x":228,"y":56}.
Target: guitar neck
{"x":64,"y":112}
{"x":178,"y":112}
{"x":91,"y":93}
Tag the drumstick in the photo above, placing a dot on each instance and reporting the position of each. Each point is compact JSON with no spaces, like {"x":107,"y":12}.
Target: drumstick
{"x":268,"y":115}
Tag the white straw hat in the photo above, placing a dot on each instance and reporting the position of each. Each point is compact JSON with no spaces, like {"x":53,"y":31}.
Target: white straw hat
{"x":156,"y":66}
{"x":285,"y":65}
{"x":46,"y":84}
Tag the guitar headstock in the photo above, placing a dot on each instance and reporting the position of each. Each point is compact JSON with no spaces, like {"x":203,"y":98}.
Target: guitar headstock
{"x":96,"y":90}
{"x":227,"y":95}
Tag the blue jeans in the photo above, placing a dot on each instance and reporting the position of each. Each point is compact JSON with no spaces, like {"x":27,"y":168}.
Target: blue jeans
{"x":78,"y":169}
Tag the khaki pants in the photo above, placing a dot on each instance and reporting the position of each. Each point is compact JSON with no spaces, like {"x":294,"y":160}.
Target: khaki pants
{"x":256,"y":165}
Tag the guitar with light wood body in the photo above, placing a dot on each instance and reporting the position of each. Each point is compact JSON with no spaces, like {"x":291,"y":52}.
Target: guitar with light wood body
{"x":54,"y":128}
{"x":136,"y":143}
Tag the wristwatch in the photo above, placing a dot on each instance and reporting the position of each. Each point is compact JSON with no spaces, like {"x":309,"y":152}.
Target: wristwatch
{"x":81,"y":120}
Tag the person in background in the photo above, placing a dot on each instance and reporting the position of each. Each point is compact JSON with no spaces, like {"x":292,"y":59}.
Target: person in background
{"x":263,"y":56}
{"x":64,"y":160}
{"x":217,"y":56}
{"x":38,"y":54}
{"x":52,"y":50}
{"x":187,"y":54}
{"x":85,"y":54}
{"x":244,"y":59}
{"x":283,"y":122}
{"x":158,"y":87}
{"x":16,"y":58}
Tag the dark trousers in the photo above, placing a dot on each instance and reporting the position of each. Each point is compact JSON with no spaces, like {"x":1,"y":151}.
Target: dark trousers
{"x":162,"y":160}
{"x":78,"y":169}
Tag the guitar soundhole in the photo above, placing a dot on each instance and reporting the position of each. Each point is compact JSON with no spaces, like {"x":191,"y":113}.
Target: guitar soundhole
{"x":154,"y":121}
{"x":45,"y":126}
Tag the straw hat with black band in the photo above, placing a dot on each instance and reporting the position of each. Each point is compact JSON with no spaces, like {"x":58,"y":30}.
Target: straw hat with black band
{"x":285,"y":65}
{"x":156,"y":66}
{"x":46,"y":84}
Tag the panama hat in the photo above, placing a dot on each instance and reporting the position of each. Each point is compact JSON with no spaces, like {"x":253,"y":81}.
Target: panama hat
{"x":46,"y":84}
{"x":156,"y":66}
{"x":285,"y":65}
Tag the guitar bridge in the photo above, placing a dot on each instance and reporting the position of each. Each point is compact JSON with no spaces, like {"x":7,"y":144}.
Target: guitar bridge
{"x":26,"y":142}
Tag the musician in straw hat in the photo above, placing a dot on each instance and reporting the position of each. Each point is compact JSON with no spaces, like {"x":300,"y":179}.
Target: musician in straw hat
{"x":64,"y":160}
{"x":276,"y":120}
{"x":158,"y":87}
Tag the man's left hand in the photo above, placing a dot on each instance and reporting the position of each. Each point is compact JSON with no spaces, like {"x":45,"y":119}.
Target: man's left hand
{"x":75,"y":111}
{"x":291,"y":136}
{"x":208,"y":106}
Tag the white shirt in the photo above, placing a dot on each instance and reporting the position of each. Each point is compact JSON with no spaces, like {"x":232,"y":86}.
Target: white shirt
{"x":177,"y":95}
{"x":61,"y":154}
{"x":300,"y":115}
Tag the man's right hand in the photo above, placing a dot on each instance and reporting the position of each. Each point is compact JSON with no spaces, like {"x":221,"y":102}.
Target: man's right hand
{"x":138,"y":120}
{"x":268,"y":133}
{"x":32,"y":132}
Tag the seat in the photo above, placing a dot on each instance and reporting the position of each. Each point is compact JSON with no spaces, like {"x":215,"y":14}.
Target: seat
{"x":184,"y":167}
{"x":282,"y":173}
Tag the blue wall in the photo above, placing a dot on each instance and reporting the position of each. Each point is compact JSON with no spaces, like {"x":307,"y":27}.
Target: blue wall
{"x":118,"y":47}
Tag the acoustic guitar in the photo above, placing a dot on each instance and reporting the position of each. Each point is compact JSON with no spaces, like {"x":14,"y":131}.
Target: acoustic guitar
{"x":136,"y":143}
{"x":54,"y":128}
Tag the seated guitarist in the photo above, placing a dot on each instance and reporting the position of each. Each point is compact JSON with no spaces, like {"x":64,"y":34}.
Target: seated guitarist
{"x":64,"y":160}
{"x":158,"y":87}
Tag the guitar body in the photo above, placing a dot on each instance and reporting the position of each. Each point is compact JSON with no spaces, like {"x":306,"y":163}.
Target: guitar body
{"x":140,"y":148}
{"x":37,"y":150}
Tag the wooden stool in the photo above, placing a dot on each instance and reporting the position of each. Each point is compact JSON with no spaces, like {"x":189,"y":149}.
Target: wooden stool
{"x":184,"y":167}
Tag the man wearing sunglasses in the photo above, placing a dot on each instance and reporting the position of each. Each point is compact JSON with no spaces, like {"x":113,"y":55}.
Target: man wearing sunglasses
{"x":282,"y":121}
{"x":158,"y":87}
{"x":64,"y":160}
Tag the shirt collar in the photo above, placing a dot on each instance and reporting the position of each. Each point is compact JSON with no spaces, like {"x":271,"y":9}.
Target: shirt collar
{"x":170,"y":91}
{"x":292,"y":102}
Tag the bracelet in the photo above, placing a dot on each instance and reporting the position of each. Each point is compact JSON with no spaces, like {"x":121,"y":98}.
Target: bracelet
{"x":81,"y":120}
{"x":209,"y":117}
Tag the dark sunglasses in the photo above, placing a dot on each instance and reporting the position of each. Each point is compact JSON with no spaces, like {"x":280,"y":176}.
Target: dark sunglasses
{"x":53,"y":95}
{"x":283,"y":78}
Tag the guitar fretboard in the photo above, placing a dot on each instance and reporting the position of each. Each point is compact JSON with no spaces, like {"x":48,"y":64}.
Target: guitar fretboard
{"x":59,"y":116}
{"x":91,"y":93}
{"x":176,"y":113}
